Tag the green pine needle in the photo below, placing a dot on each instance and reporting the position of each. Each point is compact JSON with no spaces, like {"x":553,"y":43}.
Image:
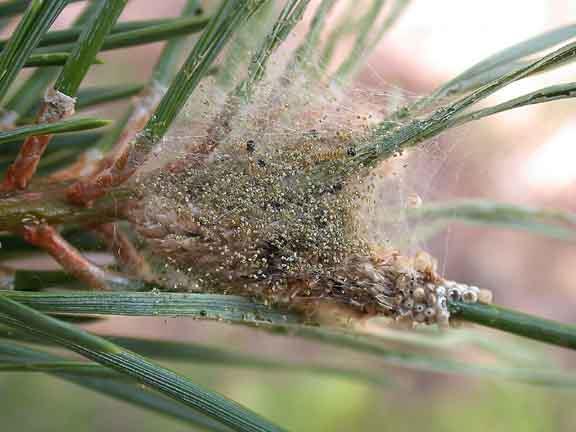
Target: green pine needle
{"x":38,"y":18}
{"x":109,"y":383}
{"x":517,"y":323}
{"x":219,"y":30}
{"x":126,"y":362}
{"x":63,"y":126}
{"x":88,"y":46}
{"x":144,"y":34}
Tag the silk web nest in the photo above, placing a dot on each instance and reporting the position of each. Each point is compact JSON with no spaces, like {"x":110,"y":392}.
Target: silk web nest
{"x":241,"y":198}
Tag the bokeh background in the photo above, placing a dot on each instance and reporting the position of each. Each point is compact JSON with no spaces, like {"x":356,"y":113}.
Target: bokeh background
{"x":525,"y":157}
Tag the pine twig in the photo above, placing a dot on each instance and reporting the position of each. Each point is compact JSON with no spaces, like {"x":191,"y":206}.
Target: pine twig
{"x":47,"y":238}
{"x":52,"y":208}
{"x":59,"y":102}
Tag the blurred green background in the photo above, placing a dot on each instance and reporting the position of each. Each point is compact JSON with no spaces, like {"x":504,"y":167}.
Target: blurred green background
{"x":38,"y":403}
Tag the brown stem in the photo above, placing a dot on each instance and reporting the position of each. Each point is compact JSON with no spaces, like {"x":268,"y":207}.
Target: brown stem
{"x":85,"y":192}
{"x":143,"y":108}
{"x":23,"y":168}
{"x":49,"y":239}
{"x":123,"y":249}
{"x":129,"y":153}
{"x":55,"y":106}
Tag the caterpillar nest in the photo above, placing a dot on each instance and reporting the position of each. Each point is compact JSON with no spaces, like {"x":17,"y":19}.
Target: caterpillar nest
{"x":249,"y":208}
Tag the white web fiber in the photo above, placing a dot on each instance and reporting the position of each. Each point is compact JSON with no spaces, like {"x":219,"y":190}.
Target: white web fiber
{"x":317,"y":120}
